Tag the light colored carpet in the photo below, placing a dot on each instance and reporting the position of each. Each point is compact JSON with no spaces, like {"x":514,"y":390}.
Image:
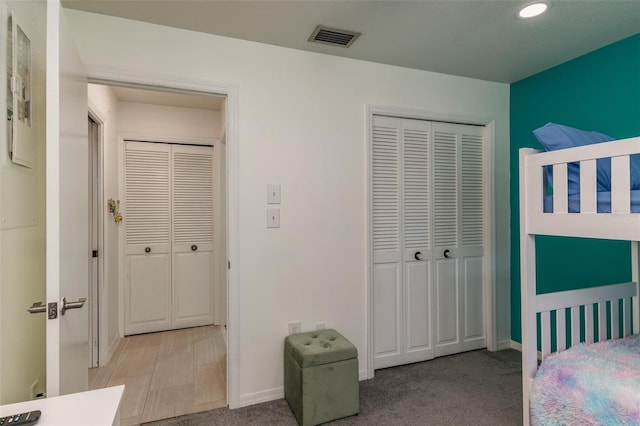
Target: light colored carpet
{"x":473,"y":388}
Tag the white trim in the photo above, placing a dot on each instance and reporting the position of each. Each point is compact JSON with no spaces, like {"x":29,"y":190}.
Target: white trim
{"x":52,"y":174}
{"x":490,"y":266}
{"x":103,"y":354}
{"x":515,"y":345}
{"x":260,"y":397}
{"x":113,"y":76}
{"x":491,"y":332}
{"x":278,"y":393}
{"x":363,"y":374}
{"x":152,"y":138}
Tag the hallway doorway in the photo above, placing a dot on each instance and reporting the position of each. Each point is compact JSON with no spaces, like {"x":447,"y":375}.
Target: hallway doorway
{"x":141,"y":113}
{"x":167,"y":374}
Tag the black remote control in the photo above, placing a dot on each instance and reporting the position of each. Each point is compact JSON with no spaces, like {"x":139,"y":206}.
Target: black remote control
{"x":22,"y":419}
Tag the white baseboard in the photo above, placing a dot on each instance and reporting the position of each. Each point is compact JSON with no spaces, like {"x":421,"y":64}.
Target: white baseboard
{"x":261,"y":396}
{"x":518,"y":347}
{"x":504,"y":344}
{"x":276,"y":393}
{"x":362,"y":375}
{"x":110,"y":350}
{"x":515,"y":345}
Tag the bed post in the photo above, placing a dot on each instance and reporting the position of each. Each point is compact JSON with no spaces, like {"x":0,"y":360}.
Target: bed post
{"x":635,"y":277}
{"x":528,"y":292}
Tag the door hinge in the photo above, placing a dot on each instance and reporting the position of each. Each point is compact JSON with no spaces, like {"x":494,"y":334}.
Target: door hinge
{"x":94,"y":253}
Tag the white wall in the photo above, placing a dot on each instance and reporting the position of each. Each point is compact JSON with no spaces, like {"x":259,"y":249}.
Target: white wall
{"x":22,"y":247}
{"x":302,"y":123}
{"x":166,"y":121}
{"x":103,"y":102}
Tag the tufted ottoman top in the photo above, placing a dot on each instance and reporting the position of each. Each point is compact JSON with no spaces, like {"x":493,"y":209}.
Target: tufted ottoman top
{"x":319,"y":347}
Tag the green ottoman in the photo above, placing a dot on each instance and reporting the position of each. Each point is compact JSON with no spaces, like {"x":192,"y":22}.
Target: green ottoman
{"x":321,"y":376}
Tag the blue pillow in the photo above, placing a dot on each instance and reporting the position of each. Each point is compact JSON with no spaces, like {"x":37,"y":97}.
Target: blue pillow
{"x":556,"y":136}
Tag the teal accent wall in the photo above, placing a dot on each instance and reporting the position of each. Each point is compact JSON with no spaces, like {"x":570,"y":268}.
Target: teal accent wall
{"x":598,"y":91}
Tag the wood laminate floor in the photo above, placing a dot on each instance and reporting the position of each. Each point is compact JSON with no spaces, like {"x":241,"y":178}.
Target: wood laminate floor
{"x":167,"y":374}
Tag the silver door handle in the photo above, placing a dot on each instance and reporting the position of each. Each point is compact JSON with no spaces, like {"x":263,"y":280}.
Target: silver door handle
{"x":36,"y":308}
{"x":72,"y":305}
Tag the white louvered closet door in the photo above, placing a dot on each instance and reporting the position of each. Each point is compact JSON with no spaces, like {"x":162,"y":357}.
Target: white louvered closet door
{"x":192,"y":235}
{"x":168,"y":219}
{"x":147,"y":237}
{"x":400,"y":221}
{"x":458,"y":249}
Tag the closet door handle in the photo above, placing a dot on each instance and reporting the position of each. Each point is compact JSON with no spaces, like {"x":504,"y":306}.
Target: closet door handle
{"x":194,"y":247}
{"x":447,"y":253}
{"x":418,"y":256}
{"x":147,"y":250}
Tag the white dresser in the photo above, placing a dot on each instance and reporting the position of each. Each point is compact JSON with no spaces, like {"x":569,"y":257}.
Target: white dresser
{"x":100,"y":407}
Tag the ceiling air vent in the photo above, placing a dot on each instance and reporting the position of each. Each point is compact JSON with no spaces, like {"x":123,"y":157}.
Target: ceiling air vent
{"x":333,"y":36}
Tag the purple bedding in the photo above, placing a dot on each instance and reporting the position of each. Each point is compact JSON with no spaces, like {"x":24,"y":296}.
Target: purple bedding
{"x":596,"y":384}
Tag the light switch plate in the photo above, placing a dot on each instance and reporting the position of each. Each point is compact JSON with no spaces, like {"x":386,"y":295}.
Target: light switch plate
{"x":273,"y":193}
{"x":273,"y":218}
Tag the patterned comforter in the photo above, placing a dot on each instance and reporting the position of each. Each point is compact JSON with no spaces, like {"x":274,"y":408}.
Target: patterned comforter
{"x":596,"y":384}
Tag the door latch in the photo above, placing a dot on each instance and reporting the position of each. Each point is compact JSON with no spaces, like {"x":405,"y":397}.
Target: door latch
{"x":52,"y":310}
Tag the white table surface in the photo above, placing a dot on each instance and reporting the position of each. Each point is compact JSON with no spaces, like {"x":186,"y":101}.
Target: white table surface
{"x":100,"y":407}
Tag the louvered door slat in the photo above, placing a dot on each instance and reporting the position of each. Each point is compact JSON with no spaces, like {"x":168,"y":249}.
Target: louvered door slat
{"x":192,"y":195}
{"x":472,"y":190}
{"x":416,"y":184}
{"x":385,"y":187}
{"x":147,"y":194}
{"x":445,"y":189}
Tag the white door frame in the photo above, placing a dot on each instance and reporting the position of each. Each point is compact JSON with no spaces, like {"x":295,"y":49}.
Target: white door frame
{"x":489,"y":279}
{"x":98,"y":345}
{"x":155,"y":82}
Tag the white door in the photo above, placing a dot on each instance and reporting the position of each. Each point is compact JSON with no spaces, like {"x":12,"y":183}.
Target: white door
{"x":427,"y":227}
{"x":401,"y":241}
{"x":169,"y":236}
{"x":147,"y":221}
{"x":66,"y":208}
{"x":192,"y":194}
{"x":458,"y":237}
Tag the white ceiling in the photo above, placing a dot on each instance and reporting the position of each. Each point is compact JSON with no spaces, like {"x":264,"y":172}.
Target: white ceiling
{"x":473,"y":38}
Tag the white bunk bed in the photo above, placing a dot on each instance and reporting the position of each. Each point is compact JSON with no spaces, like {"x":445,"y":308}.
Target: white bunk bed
{"x":622,"y":223}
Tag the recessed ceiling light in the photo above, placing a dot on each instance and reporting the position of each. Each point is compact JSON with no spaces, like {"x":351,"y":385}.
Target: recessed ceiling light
{"x":533,"y":9}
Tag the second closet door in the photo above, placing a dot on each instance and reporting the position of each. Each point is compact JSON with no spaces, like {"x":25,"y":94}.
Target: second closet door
{"x":169,"y":200}
{"x":401,"y":233}
{"x":427,"y":229}
{"x":192,"y":207}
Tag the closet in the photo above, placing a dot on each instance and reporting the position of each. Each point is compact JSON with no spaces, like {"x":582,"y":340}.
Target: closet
{"x":168,"y":219}
{"x":428,"y":226}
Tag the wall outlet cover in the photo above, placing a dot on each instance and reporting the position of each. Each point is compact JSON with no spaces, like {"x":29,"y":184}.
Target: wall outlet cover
{"x":273,"y":193}
{"x":273,"y":218}
{"x":295,"y":327}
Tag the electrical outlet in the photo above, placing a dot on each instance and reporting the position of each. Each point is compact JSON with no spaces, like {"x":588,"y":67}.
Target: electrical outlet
{"x":295,"y":327}
{"x":321,"y":326}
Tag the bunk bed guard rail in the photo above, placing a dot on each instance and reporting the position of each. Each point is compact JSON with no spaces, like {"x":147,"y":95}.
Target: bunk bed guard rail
{"x":620,"y":224}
